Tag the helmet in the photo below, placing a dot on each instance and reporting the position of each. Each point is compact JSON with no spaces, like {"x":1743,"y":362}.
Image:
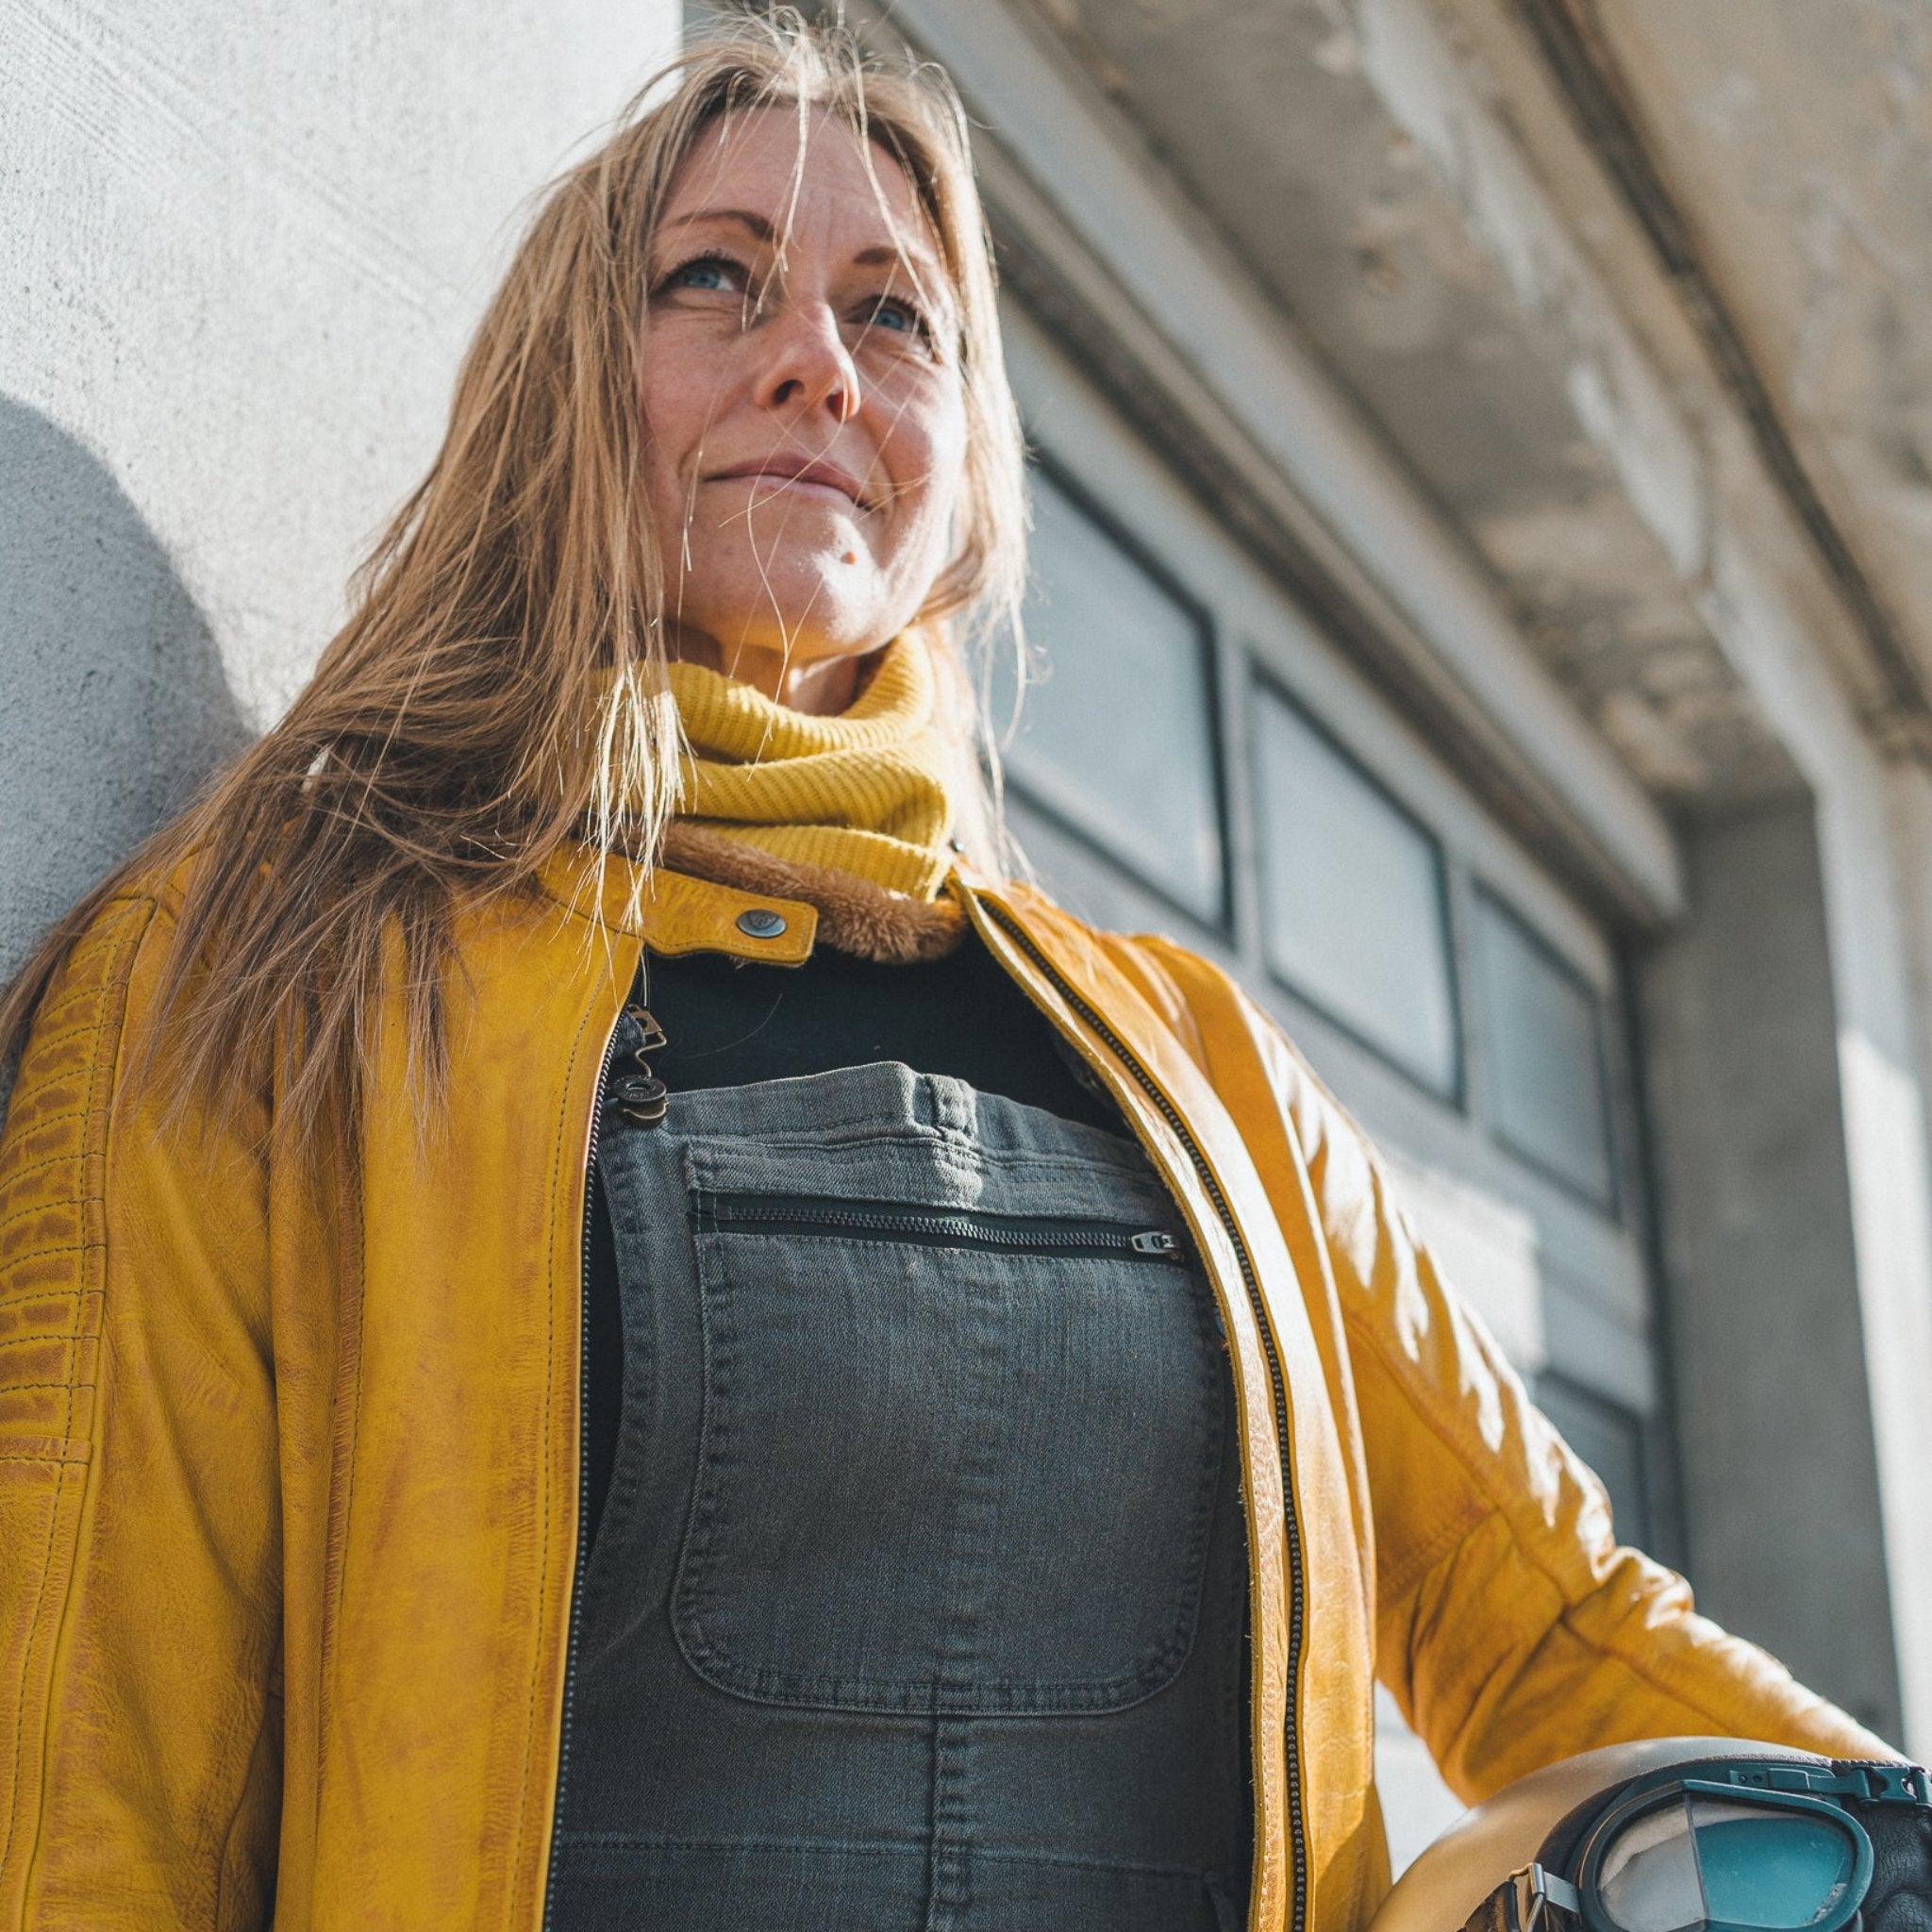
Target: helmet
{"x":1683,"y":1835}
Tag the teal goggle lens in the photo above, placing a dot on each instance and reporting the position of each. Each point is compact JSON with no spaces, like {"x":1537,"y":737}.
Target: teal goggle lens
{"x":1707,"y":1863}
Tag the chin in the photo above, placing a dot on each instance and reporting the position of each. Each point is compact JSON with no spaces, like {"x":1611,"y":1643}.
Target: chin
{"x":815,"y":612}
{"x":803,"y":639}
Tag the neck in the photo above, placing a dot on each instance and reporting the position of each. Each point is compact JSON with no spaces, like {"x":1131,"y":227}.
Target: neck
{"x":865,"y":791}
{"x":818,"y":686}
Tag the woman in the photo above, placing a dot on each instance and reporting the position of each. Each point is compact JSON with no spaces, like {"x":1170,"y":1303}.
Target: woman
{"x":601,"y":1325}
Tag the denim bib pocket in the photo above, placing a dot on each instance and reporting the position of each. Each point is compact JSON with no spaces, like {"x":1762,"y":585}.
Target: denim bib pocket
{"x":962,"y":1429}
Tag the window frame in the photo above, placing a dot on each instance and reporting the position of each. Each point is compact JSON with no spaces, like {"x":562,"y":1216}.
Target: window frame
{"x":1264,"y":687}
{"x":1206,"y":624}
{"x":1487,"y":901}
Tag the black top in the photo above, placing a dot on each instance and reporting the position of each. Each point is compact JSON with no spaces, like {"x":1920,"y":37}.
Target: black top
{"x":730,"y":1022}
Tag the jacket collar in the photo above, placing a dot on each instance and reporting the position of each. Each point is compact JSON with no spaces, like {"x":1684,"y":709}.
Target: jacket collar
{"x":675,"y":913}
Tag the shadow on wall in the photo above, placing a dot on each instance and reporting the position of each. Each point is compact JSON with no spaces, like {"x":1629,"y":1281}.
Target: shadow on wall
{"x":114,"y":706}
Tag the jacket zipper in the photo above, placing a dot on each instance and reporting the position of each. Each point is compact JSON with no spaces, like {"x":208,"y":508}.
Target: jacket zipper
{"x":1090,"y":1018}
{"x":577,"y":1590}
{"x":828,"y":1217}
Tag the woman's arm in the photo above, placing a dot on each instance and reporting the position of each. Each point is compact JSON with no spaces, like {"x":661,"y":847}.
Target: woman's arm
{"x":140,"y":1541}
{"x":1511,"y":1626}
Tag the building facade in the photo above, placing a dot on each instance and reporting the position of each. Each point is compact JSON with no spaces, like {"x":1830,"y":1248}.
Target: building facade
{"x":1455,"y":620}
{"x":1471,"y":601}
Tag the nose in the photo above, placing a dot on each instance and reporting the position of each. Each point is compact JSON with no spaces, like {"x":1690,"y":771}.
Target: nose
{"x":810,"y":368}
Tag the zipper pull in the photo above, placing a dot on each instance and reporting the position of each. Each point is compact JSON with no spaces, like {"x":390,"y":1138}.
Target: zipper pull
{"x":642,"y":1098}
{"x":1156,"y":1243}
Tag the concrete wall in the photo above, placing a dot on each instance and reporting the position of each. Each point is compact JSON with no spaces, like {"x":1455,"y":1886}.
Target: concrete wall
{"x":240,"y":251}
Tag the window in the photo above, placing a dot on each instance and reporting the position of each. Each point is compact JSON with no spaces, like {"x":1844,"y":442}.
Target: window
{"x":1118,"y":739}
{"x":1544,"y":1055}
{"x":1353,"y":908}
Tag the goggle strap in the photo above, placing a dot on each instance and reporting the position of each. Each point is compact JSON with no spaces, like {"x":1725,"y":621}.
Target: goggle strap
{"x":1527,"y":1898}
{"x":1881,"y":1783}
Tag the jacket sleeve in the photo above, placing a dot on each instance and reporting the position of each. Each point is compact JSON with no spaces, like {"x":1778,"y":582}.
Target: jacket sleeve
{"x":1512,"y":1626}
{"x":139,"y":1524}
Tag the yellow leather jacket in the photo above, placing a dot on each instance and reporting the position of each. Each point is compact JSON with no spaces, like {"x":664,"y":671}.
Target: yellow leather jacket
{"x":289,"y":1471}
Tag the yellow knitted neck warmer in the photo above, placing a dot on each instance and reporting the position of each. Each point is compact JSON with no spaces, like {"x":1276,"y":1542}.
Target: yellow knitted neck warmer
{"x":863,"y":793}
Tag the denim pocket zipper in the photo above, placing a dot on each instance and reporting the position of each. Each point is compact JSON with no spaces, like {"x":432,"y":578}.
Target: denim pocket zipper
{"x":830,"y":1217}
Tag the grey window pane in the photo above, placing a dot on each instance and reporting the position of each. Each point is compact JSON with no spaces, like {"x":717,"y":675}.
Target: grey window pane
{"x":1118,"y":736}
{"x":1544,"y":1055}
{"x":1608,"y":1439}
{"x":1352,"y":898}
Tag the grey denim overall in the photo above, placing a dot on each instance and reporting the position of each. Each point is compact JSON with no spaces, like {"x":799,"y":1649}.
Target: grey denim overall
{"x":918,"y":1599}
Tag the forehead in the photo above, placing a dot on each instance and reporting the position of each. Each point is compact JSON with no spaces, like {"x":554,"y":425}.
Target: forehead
{"x":811,"y":177}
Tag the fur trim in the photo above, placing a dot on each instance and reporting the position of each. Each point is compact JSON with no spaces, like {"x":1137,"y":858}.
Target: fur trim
{"x":853,"y":915}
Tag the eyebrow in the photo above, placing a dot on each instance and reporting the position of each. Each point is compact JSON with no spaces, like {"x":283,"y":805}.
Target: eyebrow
{"x":761,"y":226}
{"x":744,"y":217}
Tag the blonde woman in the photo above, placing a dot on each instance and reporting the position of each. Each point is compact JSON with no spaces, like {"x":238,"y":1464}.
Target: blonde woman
{"x":601,"y":1325}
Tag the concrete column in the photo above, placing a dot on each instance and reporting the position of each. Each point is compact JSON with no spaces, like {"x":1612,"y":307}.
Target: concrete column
{"x":1879,"y":1036}
{"x":1783,"y":1510}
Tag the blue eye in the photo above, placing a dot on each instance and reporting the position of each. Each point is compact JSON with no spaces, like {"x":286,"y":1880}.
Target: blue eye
{"x":706,"y":273}
{"x":901,"y":317}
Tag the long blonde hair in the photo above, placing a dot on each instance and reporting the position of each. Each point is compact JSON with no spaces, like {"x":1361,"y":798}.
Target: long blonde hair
{"x":465,"y":722}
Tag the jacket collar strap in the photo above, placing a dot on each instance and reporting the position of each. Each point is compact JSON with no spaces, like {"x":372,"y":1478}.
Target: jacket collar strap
{"x":677,"y":914}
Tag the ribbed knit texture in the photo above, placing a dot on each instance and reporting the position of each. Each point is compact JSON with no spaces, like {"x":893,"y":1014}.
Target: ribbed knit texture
{"x":863,"y":793}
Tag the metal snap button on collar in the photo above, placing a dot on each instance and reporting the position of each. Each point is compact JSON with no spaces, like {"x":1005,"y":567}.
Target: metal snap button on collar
{"x":761,"y":923}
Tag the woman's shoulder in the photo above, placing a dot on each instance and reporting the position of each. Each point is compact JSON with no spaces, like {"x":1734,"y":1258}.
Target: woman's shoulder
{"x":1184,"y":987}
{"x":1245,"y":1052}
{"x":92,"y":967}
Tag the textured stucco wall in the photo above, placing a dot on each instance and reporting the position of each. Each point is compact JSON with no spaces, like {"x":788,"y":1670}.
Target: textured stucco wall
{"x":240,"y":250}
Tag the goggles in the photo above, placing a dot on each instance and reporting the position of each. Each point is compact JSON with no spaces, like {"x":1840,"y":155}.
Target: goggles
{"x":1736,"y":1845}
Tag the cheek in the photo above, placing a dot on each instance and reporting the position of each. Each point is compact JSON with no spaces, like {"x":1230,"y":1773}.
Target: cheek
{"x":932,"y":480}
{"x":676,"y":399}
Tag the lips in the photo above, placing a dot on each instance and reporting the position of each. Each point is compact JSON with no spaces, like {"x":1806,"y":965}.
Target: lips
{"x":787,"y":470}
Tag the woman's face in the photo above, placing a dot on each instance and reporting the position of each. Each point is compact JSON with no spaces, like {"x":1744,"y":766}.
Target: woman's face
{"x":805,"y":423}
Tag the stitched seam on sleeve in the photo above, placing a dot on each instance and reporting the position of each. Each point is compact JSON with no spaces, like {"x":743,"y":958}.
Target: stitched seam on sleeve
{"x":32,"y":1209}
{"x":79,"y":1247}
{"x":45,"y":1042}
{"x":67,"y":1001}
{"x":22,"y":1296}
{"x":344,"y":1431}
{"x":19,"y":1173}
{"x":59,"y":1116}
